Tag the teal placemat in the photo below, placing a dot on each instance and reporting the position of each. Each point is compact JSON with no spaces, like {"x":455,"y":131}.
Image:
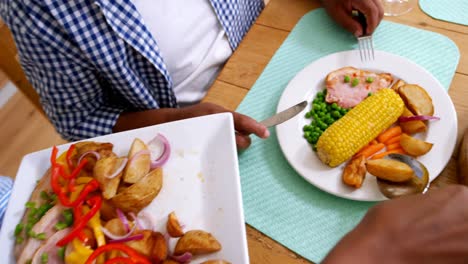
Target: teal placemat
{"x":279,"y":202}
{"x":455,"y":11}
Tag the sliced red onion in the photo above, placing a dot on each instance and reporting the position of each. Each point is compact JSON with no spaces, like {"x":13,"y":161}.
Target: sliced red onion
{"x":135,"y":219}
{"x":147,"y":220}
{"x":417,"y":118}
{"x":123,"y":219}
{"x":95,"y":153}
{"x":119,"y":169}
{"x":186,"y":257}
{"x":130,"y":238}
{"x":116,"y":237}
{"x":166,"y":152}
{"x":138,"y":154}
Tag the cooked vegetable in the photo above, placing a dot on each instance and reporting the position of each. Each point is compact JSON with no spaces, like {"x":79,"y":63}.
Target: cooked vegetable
{"x":130,"y":252}
{"x":370,"y":150}
{"x":393,"y":140}
{"x":391,"y":170}
{"x":417,"y":118}
{"x":408,"y":126}
{"x":385,"y":153}
{"x":197,"y":242}
{"x":139,"y":162}
{"x":173,"y":226}
{"x":165,"y":154}
{"x":358,"y":127}
{"x":413,"y":146}
{"x":347,"y":79}
{"x":159,"y":251}
{"x":389,"y":133}
{"x":416,"y":99}
{"x":108,"y":172}
{"x":355,"y":172}
{"x":393,"y":146}
{"x":144,"y":245}
{"x":140,"y":194}
{"x":397,"y":85}
{"x":354,"y":82}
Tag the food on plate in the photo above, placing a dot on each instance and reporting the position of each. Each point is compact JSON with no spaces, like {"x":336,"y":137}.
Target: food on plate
{"x":348,"y":86}
{"x":82,"y":211}
{"x":358,"y":127}
{"x":355,"y":171}
{"x":140,"y":194}
{"x":139,"y":163}
{"x":399,"y":83}
{"x":218,"y":261}
{"x":417,"y":99}
{"x":174,"y":229}
{"x":389,"y":169}
{"x":412,"y":127}
{"x":413,"y":146}
{"x":197,"y":242}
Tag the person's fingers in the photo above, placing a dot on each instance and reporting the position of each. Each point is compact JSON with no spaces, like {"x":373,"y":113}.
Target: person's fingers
{"x":246,"y":126}
{"x":344,"y":18}
{"x":371,"y":11}
{"x":242,"y":141}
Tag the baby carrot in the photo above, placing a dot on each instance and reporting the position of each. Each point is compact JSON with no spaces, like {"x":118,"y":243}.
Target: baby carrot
{"x":394,"y":146}
{"x":373,"y":142}
{"x":383,"y":154}
{"x":389,"y":133}
{"x":370,"y":150}
{"x":392,"y":140}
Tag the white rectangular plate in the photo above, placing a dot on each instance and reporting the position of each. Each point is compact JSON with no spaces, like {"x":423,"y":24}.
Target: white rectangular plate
{"x":201,"y":183}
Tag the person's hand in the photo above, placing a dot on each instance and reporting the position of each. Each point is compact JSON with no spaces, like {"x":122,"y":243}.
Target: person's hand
{"x":428,"y":228}
{"x":341,"y":10}
{"x":243,"y":124}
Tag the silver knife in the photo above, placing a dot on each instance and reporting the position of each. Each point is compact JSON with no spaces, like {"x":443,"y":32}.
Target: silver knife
{"x":284,"y":115}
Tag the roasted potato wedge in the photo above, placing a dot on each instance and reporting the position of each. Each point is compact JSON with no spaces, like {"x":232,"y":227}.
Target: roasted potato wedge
{"x":173,"y":226}
{"x":416,"y":99}
{"x":355,"y":172}
{"x":116,"y":227}
{"x":140,"y":194}
{"x":391,"y":170}
{"x":396,"y":86}
{"x":105,"y":167}
{"x":197,"y":242}
{"x":145,"y":245}
{"x":159,"y":251}
{"x":107,"y":210}
{"x":217,"y":261}
{"x":139,"y":166}
{"x":413,"y":146}
{"x":170,"y":261}
{"x":412,"y":127}
{"x":104,"y":150}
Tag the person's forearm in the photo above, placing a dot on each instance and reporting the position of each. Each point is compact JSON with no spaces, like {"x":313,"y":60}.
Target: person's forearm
{"x":132,"y":120}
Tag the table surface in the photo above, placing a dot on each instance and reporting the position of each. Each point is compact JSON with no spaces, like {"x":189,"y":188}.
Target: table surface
{"x":259,"y":46}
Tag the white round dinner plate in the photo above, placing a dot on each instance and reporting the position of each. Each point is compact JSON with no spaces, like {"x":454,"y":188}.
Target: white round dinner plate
{"x":311,"y":79}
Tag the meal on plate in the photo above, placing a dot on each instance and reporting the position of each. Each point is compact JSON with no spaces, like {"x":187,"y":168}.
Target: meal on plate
{"x":85,"y":209}
{"x":361,"y":117}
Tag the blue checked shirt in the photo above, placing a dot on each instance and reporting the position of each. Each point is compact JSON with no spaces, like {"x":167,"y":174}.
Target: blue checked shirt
{"x":90,"y":60}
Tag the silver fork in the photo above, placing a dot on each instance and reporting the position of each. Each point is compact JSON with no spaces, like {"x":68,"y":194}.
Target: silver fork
{"x":365,"y":42}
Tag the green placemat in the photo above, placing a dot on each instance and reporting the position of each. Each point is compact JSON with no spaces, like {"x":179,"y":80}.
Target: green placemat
{"x":455,"y":11}
{"x":279,"y":202}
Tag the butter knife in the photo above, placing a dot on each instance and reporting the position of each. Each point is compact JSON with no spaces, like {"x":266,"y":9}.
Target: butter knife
{"x":284,"y":115}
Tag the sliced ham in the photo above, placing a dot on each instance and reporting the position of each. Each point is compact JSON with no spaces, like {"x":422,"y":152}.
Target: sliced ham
{"x":50,"y":249}
{"x":345,"y":95}
{"x":45,"y":225}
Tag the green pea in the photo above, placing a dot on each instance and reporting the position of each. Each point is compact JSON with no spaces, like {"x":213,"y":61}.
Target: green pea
{"x":369,"y":94}
{"x":347,"y":79}
{"x":323,"y":126}
{"x":369,"y":80}
{"x":342,"y":111}
{"x":334,"y":106}
{"x":308,"y":115}
{"x":355,"y":82}
{"x":310,"y":140}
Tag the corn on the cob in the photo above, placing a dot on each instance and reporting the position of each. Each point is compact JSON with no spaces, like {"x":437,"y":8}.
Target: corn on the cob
{"x":359,"y":126}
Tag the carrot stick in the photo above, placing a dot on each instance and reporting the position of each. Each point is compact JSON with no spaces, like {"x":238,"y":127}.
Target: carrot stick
{"x":389,"y":133}
{"x":370,"y":150}
{"x":394,"y":146}
{"x":383,"y":154}
{"x":373,"y":142}
{"x":392,"y":140}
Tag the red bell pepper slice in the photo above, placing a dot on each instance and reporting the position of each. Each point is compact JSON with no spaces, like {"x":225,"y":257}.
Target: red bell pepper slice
{"x":68,"y":156}
{"x":95,"y":202}
{"x":130,"y":252}
{"x":119,"y":260}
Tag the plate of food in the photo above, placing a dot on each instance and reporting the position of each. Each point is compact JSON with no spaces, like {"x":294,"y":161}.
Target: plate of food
{"x":152,"y":195}
{"x":358,"y":114}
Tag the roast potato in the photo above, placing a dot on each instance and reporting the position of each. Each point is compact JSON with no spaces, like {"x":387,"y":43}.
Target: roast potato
{"x":159,"y":251}
{"x":416,"y":99}
{"x":139,"y":166}
{"x":173,"y":226}
{"x":197,"y":242}
{"x":104,"y":150}
{"x":140,"y":194}
{"x":412,"y":127}
{"x":105,"y":167}
{"x":145,"y":245}
{"x":391,"y":170}
{"x":217,"y":261}
{"x":107,"y":210}
{"x":396,"y":86}
{"x":116,"y":227}
{"x":170,"y":261}
{"x":355,"y":172}
{"x":413,"y":146}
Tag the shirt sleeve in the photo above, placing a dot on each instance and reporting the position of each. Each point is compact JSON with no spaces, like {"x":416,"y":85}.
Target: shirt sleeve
{"x":76,"y":98}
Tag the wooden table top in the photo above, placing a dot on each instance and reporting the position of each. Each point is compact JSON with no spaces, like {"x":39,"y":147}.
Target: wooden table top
{"x":259,"y":46}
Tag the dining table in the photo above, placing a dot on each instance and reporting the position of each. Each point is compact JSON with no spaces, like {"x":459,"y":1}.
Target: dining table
{"x":259,"y":46}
